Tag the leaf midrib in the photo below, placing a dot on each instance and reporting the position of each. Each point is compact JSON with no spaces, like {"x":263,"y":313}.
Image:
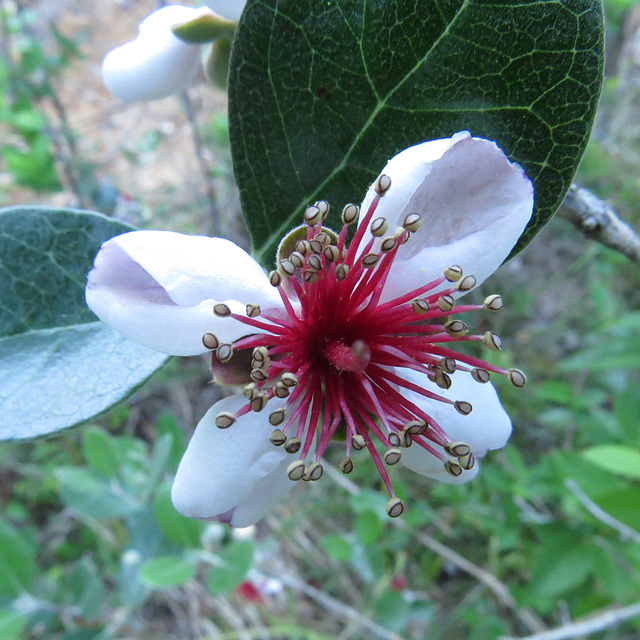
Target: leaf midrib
{"x":286,"y":225}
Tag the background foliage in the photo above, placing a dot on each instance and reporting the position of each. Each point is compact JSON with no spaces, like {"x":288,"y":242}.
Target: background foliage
{"x":90,"y":546}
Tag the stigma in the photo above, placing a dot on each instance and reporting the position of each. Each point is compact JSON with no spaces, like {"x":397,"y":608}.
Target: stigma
{"x":337,"y":353}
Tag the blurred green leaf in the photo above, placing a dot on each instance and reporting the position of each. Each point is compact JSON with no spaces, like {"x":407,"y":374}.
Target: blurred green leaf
{"x":166,"y":423}
{"x":183,"y":531}
{"x":623,"y":505}
{"x":59,"y":366}
{"x":235,"y":561}
{"x":617,"y":458}
{"x":17,"y":561}
{"x":11,"y":623}
{"x":34,"y":167}
{"x":368,"y":527}
{"x":337,"y":547}
{"x":322,"y":94}
{"x":92,"y":496}
{"x":626,"y":405}
{"x":391,"y":610}
{"x":167,"y":572}
{"x":85,"y":589}
{"x":99,"y":451}
{"x":560,"y":564}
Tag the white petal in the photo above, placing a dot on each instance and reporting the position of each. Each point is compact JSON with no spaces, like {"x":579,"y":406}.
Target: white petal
{"x":488,"y":426}
{"x":474,"y":203}
{"x":229,"y":9}
{"x":228,"y":469}
{"x":267,"y":493}
{"x":156,"y":64}
{"x":158,"y":288}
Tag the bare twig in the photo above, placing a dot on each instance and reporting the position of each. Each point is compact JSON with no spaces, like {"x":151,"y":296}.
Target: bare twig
{"x":500,"y":590}
{"x":625,"y":531}
{"x":338,"y":608}
{"x":598,"y":221}
{"x":602,"y":621}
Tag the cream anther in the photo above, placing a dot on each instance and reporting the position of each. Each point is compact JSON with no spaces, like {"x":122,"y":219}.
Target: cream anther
{"x":465,"y":408}
{"x":379,"y":227}
{"x":253,"y":310}
{"x":516,"y":377}
{"x":350,"y":214}
{"x":420,"y":306}
{"x":480,"y":375}
{"x":225,"y":419}
{"x":394,"y":507}
{"x":392,"y":456}
{"x":492,"y":340}
{"x":453,"y":468}
{"x":277,"y":417}
{"x":466,"y":283}
{"x":221,"y":310}
{"x":295,"y":470}
{"x":210,"y":341}
{"x":312,"y":215}
{"x":382,"y":184}
{"x":412,"y":222}
{"x":493,"y":302}
{"x":346,"y":465}
{"x":370,"y":260}
{"x":292,"y":445}
{"x":446,"y":303}
{"x":224,"y":352}
{"x":277,"y":438}
{"x":453,"y":273}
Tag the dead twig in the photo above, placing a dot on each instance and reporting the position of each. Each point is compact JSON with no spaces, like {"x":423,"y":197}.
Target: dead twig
{"x":598,"y":221}
{"x":626,"y":532}
{"x":500,"y":590}
{"x":599,"y":622}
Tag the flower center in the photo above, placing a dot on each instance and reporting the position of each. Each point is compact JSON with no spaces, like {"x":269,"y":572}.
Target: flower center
{"x":348,"y":358}
{"x":335,"y":358}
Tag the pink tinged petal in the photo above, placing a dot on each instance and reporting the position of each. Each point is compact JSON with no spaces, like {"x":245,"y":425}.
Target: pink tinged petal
{"x":156,"y":64}
{"x":236,"y":472}
{"x":487,"y":427}
{"x":158,"y":288}
{"x":229,"y":9}
{"x":474,"y":203}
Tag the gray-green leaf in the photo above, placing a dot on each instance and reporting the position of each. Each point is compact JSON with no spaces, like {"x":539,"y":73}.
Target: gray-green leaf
{"x":59,"y":366}
{"x":322,"y":94}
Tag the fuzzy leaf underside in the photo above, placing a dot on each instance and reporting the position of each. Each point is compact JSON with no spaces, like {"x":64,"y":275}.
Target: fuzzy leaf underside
{"x":59,"y":366}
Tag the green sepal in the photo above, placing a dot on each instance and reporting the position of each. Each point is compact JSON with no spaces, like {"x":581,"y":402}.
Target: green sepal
{"x":203,"y":29}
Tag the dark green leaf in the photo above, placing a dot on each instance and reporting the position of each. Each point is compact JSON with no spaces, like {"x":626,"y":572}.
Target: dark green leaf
{"x":56,"y":359}
{"x":322,"y":94}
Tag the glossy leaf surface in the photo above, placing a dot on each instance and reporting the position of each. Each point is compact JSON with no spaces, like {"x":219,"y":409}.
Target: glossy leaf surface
{"x":322,"y":94}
